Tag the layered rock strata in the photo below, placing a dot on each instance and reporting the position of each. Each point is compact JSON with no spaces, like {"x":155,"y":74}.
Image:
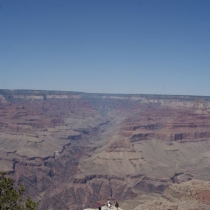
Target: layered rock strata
{"x":72,"y":149}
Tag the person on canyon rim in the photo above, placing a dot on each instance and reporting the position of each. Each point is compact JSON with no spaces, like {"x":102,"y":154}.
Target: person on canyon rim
{"x":109,"y":204}
{"x":99,"y":208}
{"x":117,"y":205}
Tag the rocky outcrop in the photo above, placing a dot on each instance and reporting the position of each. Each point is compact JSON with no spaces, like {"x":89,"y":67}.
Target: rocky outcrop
{"x":191,"y":195}
{"x":86,"y":191}
{"x":189,"y":136}
{"x":141,"y":136}
{"x":150,"y":187}
{"x":74,"y":137}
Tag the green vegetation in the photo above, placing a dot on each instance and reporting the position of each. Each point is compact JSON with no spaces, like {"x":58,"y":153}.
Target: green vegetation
{"x":13,"y":199}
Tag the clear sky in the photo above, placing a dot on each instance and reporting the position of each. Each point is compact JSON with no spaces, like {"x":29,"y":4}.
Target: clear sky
{"x":106,"y":46}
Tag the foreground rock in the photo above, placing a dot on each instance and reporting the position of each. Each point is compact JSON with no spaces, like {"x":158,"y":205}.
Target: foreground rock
{"x":104,"y":208}
{"x":191,"y":195}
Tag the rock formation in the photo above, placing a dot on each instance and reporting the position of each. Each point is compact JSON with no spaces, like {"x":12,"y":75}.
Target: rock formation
{"x":191,"y":195}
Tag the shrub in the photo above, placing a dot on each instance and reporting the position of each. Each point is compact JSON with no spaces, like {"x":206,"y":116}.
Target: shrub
{"x":12,"y":198}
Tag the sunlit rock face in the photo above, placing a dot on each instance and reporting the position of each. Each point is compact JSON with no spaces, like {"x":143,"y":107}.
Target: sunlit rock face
{"x":190,"y":195}
{"x":72,"y":149}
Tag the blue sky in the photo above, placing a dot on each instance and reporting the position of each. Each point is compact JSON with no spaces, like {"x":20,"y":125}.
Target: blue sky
{"x":106,"y":46}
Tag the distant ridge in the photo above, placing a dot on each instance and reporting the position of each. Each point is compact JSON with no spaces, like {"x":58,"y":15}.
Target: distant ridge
{"x":98,"y":95}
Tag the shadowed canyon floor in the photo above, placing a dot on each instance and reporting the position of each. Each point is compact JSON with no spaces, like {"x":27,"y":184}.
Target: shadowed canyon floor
{"x":72,"y":149}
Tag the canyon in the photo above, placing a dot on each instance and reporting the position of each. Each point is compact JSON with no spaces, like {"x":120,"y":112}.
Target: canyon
{"x":73,"y":149}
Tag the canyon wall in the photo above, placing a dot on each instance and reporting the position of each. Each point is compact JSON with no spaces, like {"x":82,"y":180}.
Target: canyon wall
{"x":72,"y":149}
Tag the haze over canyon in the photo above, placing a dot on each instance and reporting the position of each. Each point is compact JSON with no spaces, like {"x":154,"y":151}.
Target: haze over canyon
{"x":73,"y":149}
